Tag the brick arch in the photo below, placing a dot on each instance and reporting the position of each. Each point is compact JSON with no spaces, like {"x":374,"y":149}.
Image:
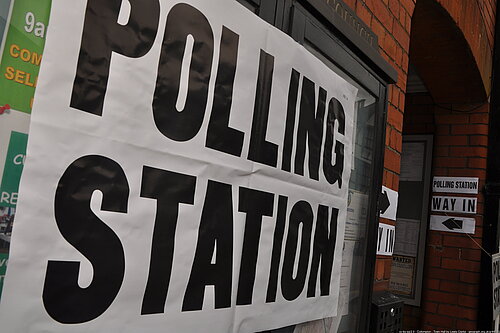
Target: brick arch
{"x":443,"y":57}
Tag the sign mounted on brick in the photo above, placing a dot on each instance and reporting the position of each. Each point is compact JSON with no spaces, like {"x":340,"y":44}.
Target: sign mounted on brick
{"x":464,"y":225}
{"x":495,"y":269}
{"x":465,"y":185}
{"x":463,"y":205}
{"x":388,"y":203}
{"x":385,"y":239}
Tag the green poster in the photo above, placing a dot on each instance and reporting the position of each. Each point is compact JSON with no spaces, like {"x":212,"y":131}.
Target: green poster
{"x":22,"y":53}
{"x":4,"y":257}
{"x":13,"y":168}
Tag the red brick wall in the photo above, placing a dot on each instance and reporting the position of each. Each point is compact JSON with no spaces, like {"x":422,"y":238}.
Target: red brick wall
{"x":476,"y":20}
{"x":451,"y":271}
{"x":452,"y":267}
{"x":452,"y":264}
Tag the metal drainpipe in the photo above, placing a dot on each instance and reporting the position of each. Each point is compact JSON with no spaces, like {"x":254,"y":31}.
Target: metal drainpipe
{"x":492,"y":192}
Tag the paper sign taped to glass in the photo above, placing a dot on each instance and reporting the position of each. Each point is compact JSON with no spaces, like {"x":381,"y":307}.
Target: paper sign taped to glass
{"x":187,"y":168}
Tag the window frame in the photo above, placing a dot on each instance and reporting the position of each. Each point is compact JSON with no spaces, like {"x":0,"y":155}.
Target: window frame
{"x":427,"y":140}
{"x":304,"y":26}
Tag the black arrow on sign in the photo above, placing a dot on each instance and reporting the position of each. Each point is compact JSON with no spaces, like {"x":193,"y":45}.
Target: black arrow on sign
{"x":384,"y":202}
{"x":452,"y":224}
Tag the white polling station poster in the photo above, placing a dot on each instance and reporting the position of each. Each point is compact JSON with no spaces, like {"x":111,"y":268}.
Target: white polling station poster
{"x":188,"y":167}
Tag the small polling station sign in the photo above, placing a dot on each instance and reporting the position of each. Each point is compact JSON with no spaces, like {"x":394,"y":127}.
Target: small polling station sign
{"x":462,"y":205}
{"x":464,"y":225}
{"x":464,"y":185}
